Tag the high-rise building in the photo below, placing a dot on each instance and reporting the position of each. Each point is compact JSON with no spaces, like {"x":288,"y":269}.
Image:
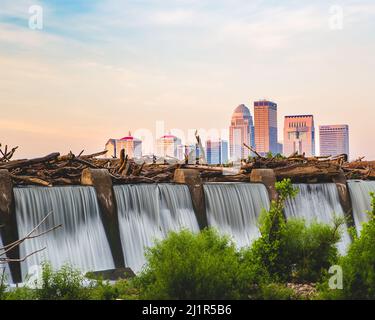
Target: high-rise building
{"x":265,"y":123}
{"x":131,"y":145}
{"x":279,"y":148}
{"x":299,"y":135}
{"x":241,"y":131}
{"x":334,"y":140}
{"x":217,"y":151}
{"x":167,"y":146}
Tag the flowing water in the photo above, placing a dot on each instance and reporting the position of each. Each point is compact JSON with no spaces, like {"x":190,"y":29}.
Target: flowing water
{"x":81,"y":240}
{"x":361,"y":201}
{"x":234,"y":209}
{"x":4,"y":268}
{"x":149,"y":212}
{"x":320,"y":203}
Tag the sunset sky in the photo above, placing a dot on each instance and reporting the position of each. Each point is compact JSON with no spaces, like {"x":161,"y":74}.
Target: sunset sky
{"x":98,"y":69}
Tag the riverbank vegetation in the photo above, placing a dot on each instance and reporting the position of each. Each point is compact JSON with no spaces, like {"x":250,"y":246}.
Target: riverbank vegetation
{"x":291,"y":260}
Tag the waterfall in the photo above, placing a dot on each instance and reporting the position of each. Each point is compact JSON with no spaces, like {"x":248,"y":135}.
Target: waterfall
{"x":4,"y":267}
{"x":234,"y":208}
{"x":361,"y":201}
{"x":318,"y":202}
{"x":81,"y":240}
{"x":149,"y":212}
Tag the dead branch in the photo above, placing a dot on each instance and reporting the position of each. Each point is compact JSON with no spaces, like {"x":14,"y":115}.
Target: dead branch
{"x":7,"y":248}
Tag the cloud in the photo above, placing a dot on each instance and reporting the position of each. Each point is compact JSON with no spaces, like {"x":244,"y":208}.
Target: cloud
{"x":273,"y":27}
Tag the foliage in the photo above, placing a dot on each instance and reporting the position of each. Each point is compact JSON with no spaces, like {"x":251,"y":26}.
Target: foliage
{"x":195,"y":266}
{"x":276,"y":291}
{"x":64,"y":284}
{"x":308,"y":250}
{"x":20,"y":293}
{"x":265,"y":251}
{"x":120,"y":290}
{"x":358,"y":265}
{"x":290,"y":250}
{"x":269,"y":155}
{"x":3,"y":285}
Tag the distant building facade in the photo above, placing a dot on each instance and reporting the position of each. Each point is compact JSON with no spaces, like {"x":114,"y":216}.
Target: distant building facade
{"x":168,"y":146}
{"x":279,"y":148}
{"x":131,"y":145}
{"x":217,"y":151}
{"x":299,"y":135}
{"x":241,"y":131}
{"x":334,"y":140}
{"x":265,"y":122}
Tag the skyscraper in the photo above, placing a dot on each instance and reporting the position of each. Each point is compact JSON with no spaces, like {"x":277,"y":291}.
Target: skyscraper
{"x":166,"y":146}
{"x":265,"y":122}
{"x":334,"y":140}
{"x":299,"y":135}
{"x":131,"y":145}
{"x":217,"y":151}
{"x":241,"y":131}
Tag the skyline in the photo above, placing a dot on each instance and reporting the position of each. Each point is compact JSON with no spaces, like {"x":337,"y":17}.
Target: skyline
{"x":100,"y":69}
{"x":299,"y":133}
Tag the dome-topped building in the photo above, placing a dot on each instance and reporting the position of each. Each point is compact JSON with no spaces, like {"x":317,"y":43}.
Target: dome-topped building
{"x":241,"y":131}
{"x":131,"y":145}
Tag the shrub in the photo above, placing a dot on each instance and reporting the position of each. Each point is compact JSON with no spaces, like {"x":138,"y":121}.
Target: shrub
{"x":358,"y":265}
{"x":308,"y":250}
{"x":290,"y":250}
{"x":20,"y":293}
{"x":122,"y":289}
{"x":276,"y":291}
{"x":64,"y":284}
{"x":195,"y":266}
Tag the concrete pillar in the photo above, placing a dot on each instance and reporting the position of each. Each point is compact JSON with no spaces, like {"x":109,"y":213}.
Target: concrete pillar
{"x":266,"y":177}
{"x":102,"y":182}
{"x":8,"y":223}
{"x":192,"y":179}
{"x":344,"y":195}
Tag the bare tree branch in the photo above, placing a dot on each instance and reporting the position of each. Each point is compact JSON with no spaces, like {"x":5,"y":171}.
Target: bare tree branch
{"x":5,"y":249}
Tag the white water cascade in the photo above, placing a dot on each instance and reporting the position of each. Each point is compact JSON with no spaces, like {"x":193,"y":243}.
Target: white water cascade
{"x":81,"y":241}
{"x":361,"y":201}
{"x":4,"y":268}
{"x":234,"y":209}
{"x":319,"y":203}
{"x":149,"y":212}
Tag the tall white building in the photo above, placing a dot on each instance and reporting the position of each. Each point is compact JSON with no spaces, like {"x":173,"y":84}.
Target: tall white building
{"x":241,"y":131}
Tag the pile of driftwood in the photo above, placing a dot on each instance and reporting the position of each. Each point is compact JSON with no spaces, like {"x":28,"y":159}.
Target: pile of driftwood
{"x":359,"y":169}
{"x":56,"y":169}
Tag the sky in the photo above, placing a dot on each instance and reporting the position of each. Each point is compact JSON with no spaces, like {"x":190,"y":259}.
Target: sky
{"x":99,"y":69}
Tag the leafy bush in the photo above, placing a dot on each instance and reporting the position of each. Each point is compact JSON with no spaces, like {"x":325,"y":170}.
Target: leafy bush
{"x":276,"y":291}
{"x":20,"y":293}
{"x":290,"y":250}
{"x":308,"y":250}
{"x":64,"y":284}
{"x":195,"y":266}
{"x":358,"y":265}
{"x":121,"y":289}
